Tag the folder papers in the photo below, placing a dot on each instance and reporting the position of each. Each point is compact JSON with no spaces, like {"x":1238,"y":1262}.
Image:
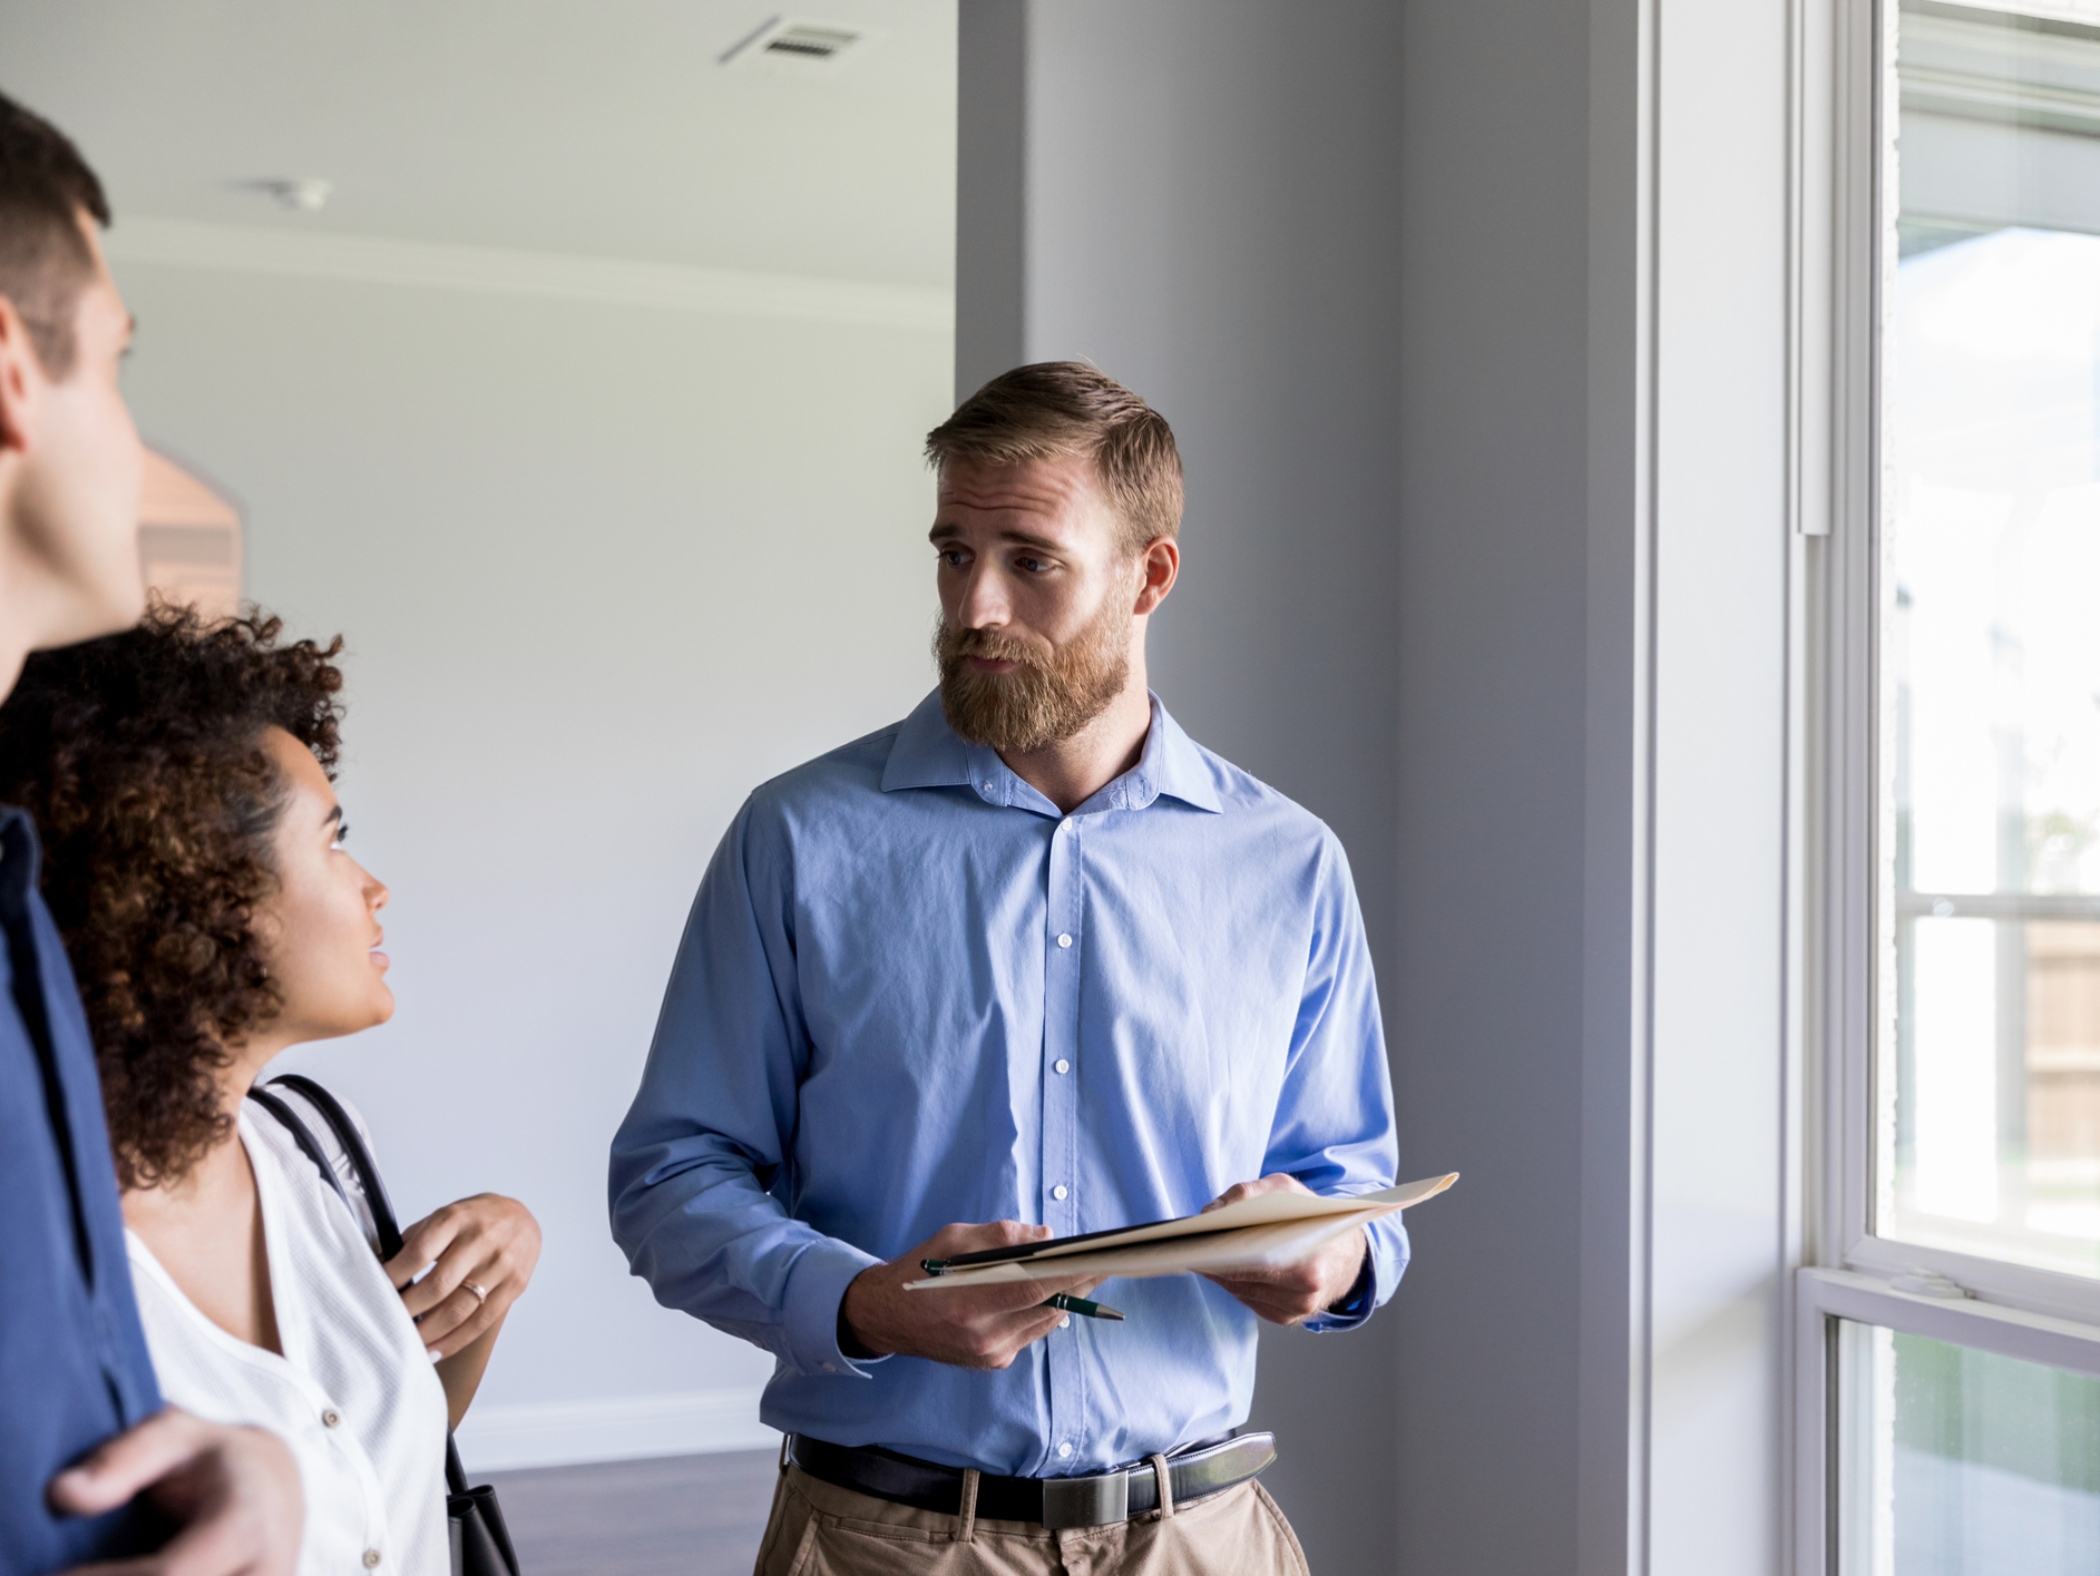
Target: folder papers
{"x":1269,"y":1229}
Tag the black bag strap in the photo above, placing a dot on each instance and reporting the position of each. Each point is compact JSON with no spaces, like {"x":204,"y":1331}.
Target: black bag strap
{"x":361,"y":1161}
{"x":479,"y":1503}
{"x":303,"y":1137}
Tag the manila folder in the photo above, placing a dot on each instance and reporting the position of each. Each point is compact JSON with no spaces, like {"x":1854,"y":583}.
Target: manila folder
{"x":1267,"y":1230}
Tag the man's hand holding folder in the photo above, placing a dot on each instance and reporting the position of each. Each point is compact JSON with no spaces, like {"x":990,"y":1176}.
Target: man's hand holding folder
{"x":1305,"y":1288}
{"x":982,"y":1327}
{"x":1274,"y":1244}
{"x":1286,"y":1252}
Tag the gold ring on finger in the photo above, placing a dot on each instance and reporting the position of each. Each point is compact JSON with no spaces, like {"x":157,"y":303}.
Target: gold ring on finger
{"x":480,"y":1296}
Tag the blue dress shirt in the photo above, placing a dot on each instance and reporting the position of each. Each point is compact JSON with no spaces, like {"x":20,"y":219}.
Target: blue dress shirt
{"x":73,"y":1363}
{"x":913,"y":992}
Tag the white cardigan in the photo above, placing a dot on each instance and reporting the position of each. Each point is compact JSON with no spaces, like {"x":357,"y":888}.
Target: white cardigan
{"x":354,"y":1395}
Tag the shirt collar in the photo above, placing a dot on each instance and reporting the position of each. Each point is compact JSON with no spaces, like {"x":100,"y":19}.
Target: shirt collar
{"x":928,"y":753}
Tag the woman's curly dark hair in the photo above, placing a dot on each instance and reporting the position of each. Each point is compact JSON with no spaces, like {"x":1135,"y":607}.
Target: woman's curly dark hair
{"x":141,"y":758}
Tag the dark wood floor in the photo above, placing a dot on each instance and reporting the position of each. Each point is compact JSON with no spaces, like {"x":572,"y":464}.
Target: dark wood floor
{"x":680,"y":1516}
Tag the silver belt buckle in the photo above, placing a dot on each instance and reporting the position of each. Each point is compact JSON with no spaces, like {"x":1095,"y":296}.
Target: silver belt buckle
{"x":1086,"y":1501}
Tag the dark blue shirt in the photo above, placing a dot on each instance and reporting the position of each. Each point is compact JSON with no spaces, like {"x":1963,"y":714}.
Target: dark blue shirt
{"x":73,"y":1363}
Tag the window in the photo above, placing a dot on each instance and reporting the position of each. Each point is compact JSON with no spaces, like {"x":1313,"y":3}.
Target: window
{"x":1949,"y":1342}
{"x":1961,"y":1460}
{"x":1989,"y":623}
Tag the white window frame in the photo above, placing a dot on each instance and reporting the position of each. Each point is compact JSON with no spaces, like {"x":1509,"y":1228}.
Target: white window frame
{"x":1843,"y":89}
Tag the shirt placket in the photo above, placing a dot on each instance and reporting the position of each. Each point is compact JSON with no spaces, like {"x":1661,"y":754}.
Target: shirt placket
{"x":1064,"y":953}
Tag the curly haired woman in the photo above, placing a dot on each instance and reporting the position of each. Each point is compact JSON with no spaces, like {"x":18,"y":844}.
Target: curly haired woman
{"x":194,"y":860}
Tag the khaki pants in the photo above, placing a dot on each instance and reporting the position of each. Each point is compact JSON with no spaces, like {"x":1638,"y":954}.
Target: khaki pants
{"x":820,"y":1530}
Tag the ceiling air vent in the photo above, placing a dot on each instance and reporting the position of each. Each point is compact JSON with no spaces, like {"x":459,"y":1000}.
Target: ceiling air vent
{"x":796,"y":44}
{"x":811,"y":43}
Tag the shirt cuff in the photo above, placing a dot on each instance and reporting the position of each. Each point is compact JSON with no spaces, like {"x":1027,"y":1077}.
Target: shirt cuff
{"x":1384,"y":1262}
{"x":815,"y":1289}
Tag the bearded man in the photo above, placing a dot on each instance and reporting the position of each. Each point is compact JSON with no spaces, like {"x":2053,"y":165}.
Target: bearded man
{"x":1027,"y":963}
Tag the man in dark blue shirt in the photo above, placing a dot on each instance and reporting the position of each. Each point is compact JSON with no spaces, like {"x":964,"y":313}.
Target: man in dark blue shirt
{"x":82,"y":1429}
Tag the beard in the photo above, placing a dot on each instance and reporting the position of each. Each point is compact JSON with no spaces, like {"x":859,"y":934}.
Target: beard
{"x":1050,"y":693}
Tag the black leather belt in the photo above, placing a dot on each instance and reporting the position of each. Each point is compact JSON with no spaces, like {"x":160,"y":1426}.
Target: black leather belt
{"x":1095,"y":1501}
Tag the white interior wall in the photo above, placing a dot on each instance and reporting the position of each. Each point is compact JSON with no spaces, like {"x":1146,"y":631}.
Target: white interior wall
{"x":602,"y":568}
{"x":1722,"y":1203}
{"x":588,"y":408}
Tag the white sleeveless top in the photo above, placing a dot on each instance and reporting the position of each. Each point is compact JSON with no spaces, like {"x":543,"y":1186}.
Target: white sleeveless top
{"x":354,"y":1395}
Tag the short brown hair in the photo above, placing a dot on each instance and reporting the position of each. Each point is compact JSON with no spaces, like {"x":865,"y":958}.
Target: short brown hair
{"x":141,"y":758}
{"x":1053,"y":408}
{"x":45,"y":186}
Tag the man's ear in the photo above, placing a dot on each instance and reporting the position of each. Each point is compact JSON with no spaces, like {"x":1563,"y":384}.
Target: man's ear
{"x":1159,"y":565}
{"x":21,"y":379}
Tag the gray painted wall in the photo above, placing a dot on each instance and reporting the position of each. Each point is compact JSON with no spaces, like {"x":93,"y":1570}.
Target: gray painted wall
{"x":1494,"y":686}
{"x":1208,"y":211}
{"x":1470,"y":317}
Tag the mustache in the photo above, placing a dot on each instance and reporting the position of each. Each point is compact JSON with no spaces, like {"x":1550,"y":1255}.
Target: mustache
{"x":952,"y":645}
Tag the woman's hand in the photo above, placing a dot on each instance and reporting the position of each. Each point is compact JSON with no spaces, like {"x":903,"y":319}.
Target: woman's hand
{"x":486,"y":1245}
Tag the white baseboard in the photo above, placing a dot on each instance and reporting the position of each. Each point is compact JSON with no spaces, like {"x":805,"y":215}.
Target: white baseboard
{"x":624,"y":1428}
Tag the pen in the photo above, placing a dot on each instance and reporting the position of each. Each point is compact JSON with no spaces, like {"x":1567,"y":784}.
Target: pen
{"x":1080,"y":1306}
{"x":1059,"y":1299}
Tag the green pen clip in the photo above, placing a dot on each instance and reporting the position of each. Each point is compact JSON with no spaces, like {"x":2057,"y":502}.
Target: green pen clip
{"x":1080,"y":1306}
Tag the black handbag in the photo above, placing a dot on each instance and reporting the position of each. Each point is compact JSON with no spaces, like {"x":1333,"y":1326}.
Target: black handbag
{"x":480,"y":1540}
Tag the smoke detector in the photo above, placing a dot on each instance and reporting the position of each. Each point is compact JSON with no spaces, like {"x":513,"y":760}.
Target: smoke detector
{"x":796,"y":44}
{"x":301,"y":193}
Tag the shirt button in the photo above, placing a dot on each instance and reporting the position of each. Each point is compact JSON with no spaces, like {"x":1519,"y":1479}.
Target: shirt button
{"x":1065,"y":1323}
{"x":831,"y":1368}
{"x":371,"y":1559}
{"x":1064,"y":941}
{"x":1064,"y":1449}
{"x":330,"y":1418}
{"x":1061,"y":1065}
{"x":1059,"y":1191}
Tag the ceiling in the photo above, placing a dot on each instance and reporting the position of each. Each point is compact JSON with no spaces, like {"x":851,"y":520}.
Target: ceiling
{"x":606,"y":128}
